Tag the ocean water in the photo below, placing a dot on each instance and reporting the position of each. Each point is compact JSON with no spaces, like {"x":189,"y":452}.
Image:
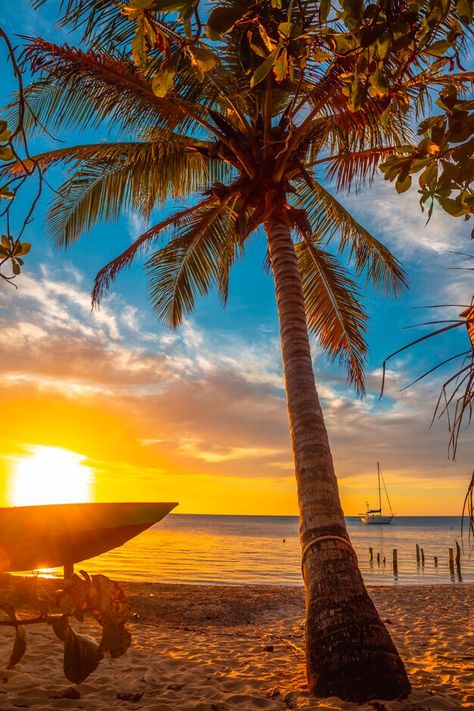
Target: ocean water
{"x":251,"y":550}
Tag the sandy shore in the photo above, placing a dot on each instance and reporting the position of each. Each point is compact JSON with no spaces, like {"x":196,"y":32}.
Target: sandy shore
{"x":200,"y":648}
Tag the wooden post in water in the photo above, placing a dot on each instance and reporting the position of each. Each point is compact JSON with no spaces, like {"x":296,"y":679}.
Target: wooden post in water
{"x":451,"y":563}
{"x":436,"y":561}
{"x":395,"y":563}
{"x":417,"y":554}
{"x":68,"y":571}
{"x":371,"y":554}
{"x":458,"y":561}
{"x":422,"y":557}
{"x":378,"y":558}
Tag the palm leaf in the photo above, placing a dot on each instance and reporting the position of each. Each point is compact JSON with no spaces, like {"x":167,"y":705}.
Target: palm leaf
{"x":192,"y":262}
{"x":137,"y":176}
{"x":84,"y":88}
{"x":333,"y":309}
{"x":329,"y":219}
{"x":145,"y":241}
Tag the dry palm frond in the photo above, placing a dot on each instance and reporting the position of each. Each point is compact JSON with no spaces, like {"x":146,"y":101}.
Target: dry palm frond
{"x":456,"y":399}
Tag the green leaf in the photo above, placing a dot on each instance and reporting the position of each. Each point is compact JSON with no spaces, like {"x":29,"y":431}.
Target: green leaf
{"x":5,"y":134}
{"x":142,"y":4}
{"x":403,"y":185}
{"x":319,"y":55}
{"x":181,"y":6}
{"x":276,"y":4}
{"x":221,"y":20}
{"x":280,"y":67}
{"x":16,"y":268}
{"x":115,"y":638}
{"x":353,"y":8}
{"x":285,"y":29}
{"x":357,"y":94}
{"x":5,"y":192}
{"x":264,"y":69}
{"x":439,"y":48}
{"x":25,"y":248}
{"x":6,"y":153}
{"x":203,"y":60}
{"x":452,"y":207}
{"x":162,"y":80}
{"x":138,"y":47}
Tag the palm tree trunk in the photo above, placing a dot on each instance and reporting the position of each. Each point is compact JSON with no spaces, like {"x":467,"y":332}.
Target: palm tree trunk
{"x":349,"y":652}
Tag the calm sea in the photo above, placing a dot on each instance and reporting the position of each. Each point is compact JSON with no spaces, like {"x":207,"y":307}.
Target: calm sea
{"x":250,"y":549}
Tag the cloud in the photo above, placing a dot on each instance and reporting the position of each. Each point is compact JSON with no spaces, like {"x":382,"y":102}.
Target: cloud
{"x":200,"y":402}
{"x":398,"y":221}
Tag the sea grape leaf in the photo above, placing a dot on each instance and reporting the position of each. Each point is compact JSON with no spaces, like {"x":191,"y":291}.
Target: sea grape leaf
{"x":221,"y":20}
{"x":142,"y":4}
{"x":162,"y":80}
{"x":81,"y":656}
{"x":280,"y":66}
{"x":263,"y":69}
{"x":6,"y":153}
{"x":116,"y":639}
{"x":403,"y":185}
{"x":111,"y":611}
{"x":203,"y":60}
{"x":5,"y":192}
{"x":19,"y":645}
{"x":60,"y":626}
{"x":5,"y":134}
{"x":109,"y":600}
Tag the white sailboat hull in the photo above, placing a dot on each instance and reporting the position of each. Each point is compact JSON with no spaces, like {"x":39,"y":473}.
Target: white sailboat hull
{"x":369,"y":519}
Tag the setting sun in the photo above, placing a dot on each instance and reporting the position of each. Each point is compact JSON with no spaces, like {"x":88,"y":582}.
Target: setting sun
{"x":49,"y":475}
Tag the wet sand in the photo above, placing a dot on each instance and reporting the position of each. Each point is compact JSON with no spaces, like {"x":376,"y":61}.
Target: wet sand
{"x":221,"y":648}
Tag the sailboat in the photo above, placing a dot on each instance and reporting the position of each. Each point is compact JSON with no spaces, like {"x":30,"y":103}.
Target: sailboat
{"x":376,"y":516}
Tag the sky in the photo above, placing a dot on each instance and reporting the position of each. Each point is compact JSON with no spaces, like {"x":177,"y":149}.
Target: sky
{"x":198,"y":415}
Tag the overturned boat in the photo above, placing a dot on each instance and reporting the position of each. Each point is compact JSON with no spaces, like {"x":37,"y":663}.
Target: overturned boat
{"x":54,"y":535}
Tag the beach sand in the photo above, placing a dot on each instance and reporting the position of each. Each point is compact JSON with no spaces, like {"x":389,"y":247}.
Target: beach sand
{"x":220,"y":648}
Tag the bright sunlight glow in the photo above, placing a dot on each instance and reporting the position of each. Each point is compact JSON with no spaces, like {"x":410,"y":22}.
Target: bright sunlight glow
{"x":49,"y":475}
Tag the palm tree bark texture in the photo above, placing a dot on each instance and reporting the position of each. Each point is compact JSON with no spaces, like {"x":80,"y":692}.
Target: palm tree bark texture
{"x":347,"y":644}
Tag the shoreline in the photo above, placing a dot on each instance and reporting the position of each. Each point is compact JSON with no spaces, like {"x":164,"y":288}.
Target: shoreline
{"x":229,"y":648}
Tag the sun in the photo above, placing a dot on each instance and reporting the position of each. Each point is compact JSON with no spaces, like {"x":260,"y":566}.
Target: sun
{"x":50,"y":475}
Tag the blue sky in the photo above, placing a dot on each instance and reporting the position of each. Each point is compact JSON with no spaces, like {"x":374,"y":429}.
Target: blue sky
{"x":211,"y":393}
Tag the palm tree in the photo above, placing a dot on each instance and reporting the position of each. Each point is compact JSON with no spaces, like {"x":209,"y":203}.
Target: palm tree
{"x":244,"y":155}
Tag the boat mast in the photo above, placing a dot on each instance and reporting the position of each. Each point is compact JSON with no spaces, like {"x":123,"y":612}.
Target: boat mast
{"x":378,"y":479}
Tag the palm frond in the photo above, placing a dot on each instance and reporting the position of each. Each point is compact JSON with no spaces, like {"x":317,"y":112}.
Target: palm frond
{"x":138,"y":176}
{"x":84,"y":88}
{"x":145,"y":241}
{"x":97,"y":20}
{"x":352,"y":170}
{"x":333,"y":309}
{"x":329,"y":219}
{"x":192,"y":262}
